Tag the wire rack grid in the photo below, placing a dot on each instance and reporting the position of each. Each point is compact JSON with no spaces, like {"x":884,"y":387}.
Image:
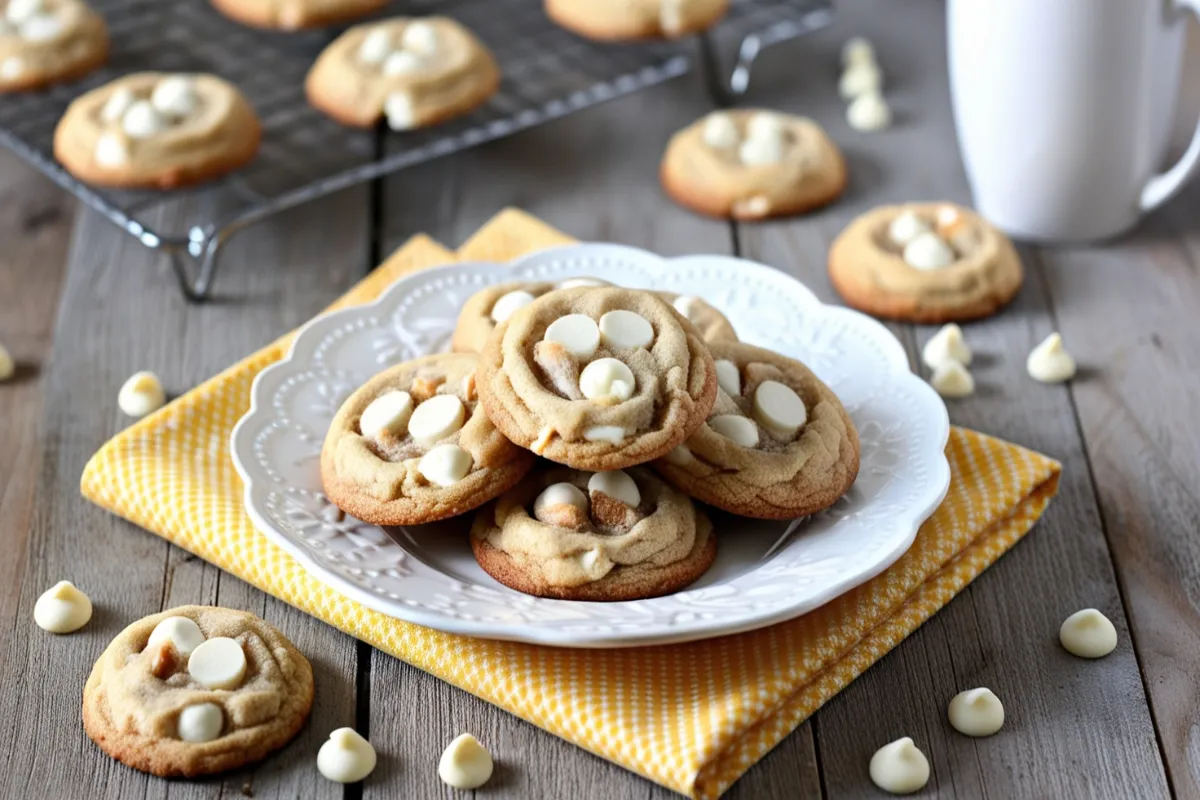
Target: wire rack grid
{"x":547,"y":73}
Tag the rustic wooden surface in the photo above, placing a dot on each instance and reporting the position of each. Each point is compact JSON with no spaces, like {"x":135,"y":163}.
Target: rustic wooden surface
{"x":82,"y":306}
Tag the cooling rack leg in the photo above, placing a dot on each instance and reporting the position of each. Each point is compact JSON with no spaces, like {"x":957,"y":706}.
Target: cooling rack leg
{"x":195,"y":273}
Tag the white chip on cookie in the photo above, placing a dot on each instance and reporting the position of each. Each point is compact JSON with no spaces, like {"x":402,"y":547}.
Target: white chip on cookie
{"x":62,"y":608}
{"x":12,"y":67}
{"x":141,"y":394}
{"x":578,"y":333}
{"x":685,"y":304}
{"x":729,"y":377}
{"x":346,"y":757}
{"x":906,"y":226}
{"x":17,"y":11}
{"x":420,"y":37}
{"x":613,"y":434}
{"x":560,"y":494}
{"x":618,"y":485}
{"x":623,"y":329}
{"x":465,"y":764}
{"x":507,"y":304}
{"x":200,"y":723}
{"x":720,"y":131}
{"x":436,"y":418}
{"x":375,"y":46}
{"x":117,"y":104}
{"x":218,"y":663}
{"x":111,"y":151}
{"x":398,"y":108}
{"x":142,"y":120}
{"x":738,"y":429}
{"x":175,"y":96}
{"x":445,"y":465}
{"x":928,"y":251}
{"x":761,"y":150}
{"x":182,"y":632}
{"x":766,"y":125}
{"x":778,"y":408}
{"x":41,"y":28}
{"x":389,"y":413}
{"x":607,"y":380}
{"x":401,"y":62}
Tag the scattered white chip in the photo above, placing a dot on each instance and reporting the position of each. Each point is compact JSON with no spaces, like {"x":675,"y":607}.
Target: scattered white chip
{"x":976,"y":712}
{"x":17,"y":11}
{"x":117,"y":104}
{"x":399,"y":110}
{"x":1050,"y":362}
{"x":618,"y":485}
{"x":946,"y":345}
{"x":951,"y":379}
{"x":719,"y":131}
{"x":390,"y":413}
{"x":401,"y":62}
{"x":899,"y":767}
{"x":557,"y":494}
{"x":111,"y":151}
{"x":420,"y":37}
{"x":12,"y":67}
{"x":62,"y":608}
{"x":578,"y":333}
{"x":928,"y":251}
{"x":607,"y":380}
{"x":201,"y":722}
{"x":346,"y":757}
{"x":612,"y":434}
{"x":859,"y":79}
{"x":507,"y":304}
{"x":182,"y":632}
{"x":869,"y":112}
{"x":738,"y":429}
{"x":375,"y":46}
{"x":577,"y":283}
{"x":41,"y":28}
{"x":8,"y":367}
{"x":466,"y":764}
{"x":436,"y":418}
{"x":142,"y":120}
{"x":857,"y":51}
{"x":445,"y":465}
{"x":623,"y":329}
{"x":1088,"y":634}
{"x":778,"y":408}
{"x":218,"y":663}
{"x":761,"y":150}
{"x":729,"y":378}
{"x":141,"y":394}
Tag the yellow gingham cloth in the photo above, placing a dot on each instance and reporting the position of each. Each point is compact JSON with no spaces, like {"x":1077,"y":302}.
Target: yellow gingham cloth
{"x":692,"y":717}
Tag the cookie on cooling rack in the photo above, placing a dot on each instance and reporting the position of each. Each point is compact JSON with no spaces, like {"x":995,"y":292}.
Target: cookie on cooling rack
{"x":412,"y":445}
{"x":291,"y":15}
{"x":777,"y":444}
{"x":618,"y":20}
{"x":413,"y":72}
{"x":622,"y":535}
{"x":196,"y":690}
{"x":43,"y":42}
{"x":157,"y":130}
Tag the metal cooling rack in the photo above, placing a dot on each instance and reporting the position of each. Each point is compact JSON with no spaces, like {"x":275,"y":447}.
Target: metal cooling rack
{"x":548,"y":73}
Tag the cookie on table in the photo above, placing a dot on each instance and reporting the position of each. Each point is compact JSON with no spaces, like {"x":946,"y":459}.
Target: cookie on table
{"x":924,"y":262}
{"x":412,"y":445}
{"x":196,"y":690}
{"x":620,"y":20}
{"x":413,"y":72}
{"x":495,"y":304}
{"x":573,"y":535}
{"x":777,"y":444}
{"x":597,"y":378}
{"x":43,"y":42}
{"x":752,"y":164}
{"x":291,"y":15}
{"x":712,"y":324}
{"x":157,"y":130}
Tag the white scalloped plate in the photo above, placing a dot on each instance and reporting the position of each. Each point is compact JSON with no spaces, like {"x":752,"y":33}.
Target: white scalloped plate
{"x":765,"y":572}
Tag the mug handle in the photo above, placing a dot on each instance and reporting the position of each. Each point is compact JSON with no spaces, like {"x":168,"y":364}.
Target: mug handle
{"x":1162,"y":187}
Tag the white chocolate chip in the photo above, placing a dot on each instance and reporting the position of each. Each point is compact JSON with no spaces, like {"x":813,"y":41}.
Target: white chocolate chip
{"x":857,"y":51}
{"x":623,"y":329}
{"x":670,"y":17}
{"x":588,"y":558}
{"x":111,"y":151}
{"x":142,"y":120}
{"x":507,"y":304}
{"x":951,"y":379}
{"x":18,"y":11}
{"x":375,"y":46}
{"x":869,"y":112}
{"x":182,"y":632}
{"x":12,"y":67}
{"x":719,"y":131}
{"x":618,"y":485}
{"x":436,"y":418}
{"x":466,"y":764}
{"x":680,"y":455}
{"x":976,"y":712}
{"x":175,"y":96}
{"x":557,"y":494}
{"x":8,"y":367}
{"x":928,"y":251}
{"x":906,"y":226}
{"x":859,"y":79}
{"x":41,"y":28}
{"x":390,"y":413}
{"x":685,"y":304}
{"x":1088,"y":634}
{"x":738,"y":429}
{"x":761,"y":150}
{"x":141,"y":394}
{"x":401,"y":62}
{"x":576,"y":283}
{"x":755,"y":206}
{"x":62,"y":608}
{"x":118,"y":103}
{"x":899,"y":767}
{"x":578,"y":333}
{"x":946,"y":345}
{"x":729,"y":378}
{"x":612,"y":434}
{"x":1049,"y":362}
{"x":778,"y":408}
{"x":766,"y":125}
{"x":420,"y":37}
{"x":218,"y":663}
{"x":200,"y":723}
{"x":400,"y":112}
{"x":346,"y":757}
{"x":445,"y":465}
{"x":607,"y":380}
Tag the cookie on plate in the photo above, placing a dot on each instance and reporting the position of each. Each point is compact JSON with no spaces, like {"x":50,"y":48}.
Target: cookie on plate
{"x":196,"y":690}
{"x":752,"y":164}
{"x":412,"y":445}
{"x":495,"y":304}
{"x":777,"y":444}
{"x":622,"y":535}
{"x":924,"y":262}
{"x":597,"y":378}
{"x":291,"y":15}
{"x":412,"y":71}
{"x":619,"y":20}
{"x":157,"y":130}
{"x":43,"y":42}
{"x":712,"y":324}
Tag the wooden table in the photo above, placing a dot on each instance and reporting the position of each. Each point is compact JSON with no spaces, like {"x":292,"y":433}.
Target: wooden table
{"x":82,"y":306}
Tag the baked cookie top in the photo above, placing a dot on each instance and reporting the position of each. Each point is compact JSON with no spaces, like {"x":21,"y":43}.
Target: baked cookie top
{"x":290,"y":15}
{"x":635,"y":19}
{"x":601,"y":536}
{"x":777,"y":444}
{"x":42,"y":41}
{"x":925,"y":262}
{"x":413,"y":71}
{"x":597,"y":378}
{"x":153,"y":128}
{"x":495,"y":304}
{"x":412,"y":445}
{"x":752,"y":163}
{"x":196,"y":690}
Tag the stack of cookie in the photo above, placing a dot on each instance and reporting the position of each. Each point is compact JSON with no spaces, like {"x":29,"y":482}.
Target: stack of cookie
{"x":585,"y":424}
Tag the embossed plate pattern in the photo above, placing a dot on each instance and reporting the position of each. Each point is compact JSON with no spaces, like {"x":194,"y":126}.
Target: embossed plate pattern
{"x":765,"y":572}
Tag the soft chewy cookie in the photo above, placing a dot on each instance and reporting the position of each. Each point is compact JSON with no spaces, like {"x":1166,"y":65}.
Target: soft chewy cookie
{"x":412,"y":445}
{"x":495,"y":304}
{"x":48,"y":41}
{"x":157,"y":130}
{"x":777,"y":444}
{"x":752,"y":164}
{"x":196,"y":690}
{"x":635,"y":19}
{"x":290,"y":15}
{"x":413,"y":72}
{"x":575,"y":535}
{"x":924,"y":262}
{"x":712,"y":324}
{"x":597,"y":378}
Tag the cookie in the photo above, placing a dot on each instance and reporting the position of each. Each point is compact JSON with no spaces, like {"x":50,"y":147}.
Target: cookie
{"x":291,"y":15}
{"x":712,"y":324}
{"x":413,"y":72}
{"x":619,"y":20}
{"x":43,"y":42}
{"x":597,"y":378}
{"x":777,"y":444}
{"x":196,"y":690}
{"x":157,"y":130}
{"x":412,"y":445}
{"x":495,"y":304}
{"x":622,"y":535}
{"x":752,"y":164}
{"x":924,"y":262}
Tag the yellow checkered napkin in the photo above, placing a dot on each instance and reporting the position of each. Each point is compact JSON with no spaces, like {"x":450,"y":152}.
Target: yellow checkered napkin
{"x":691,"y":717}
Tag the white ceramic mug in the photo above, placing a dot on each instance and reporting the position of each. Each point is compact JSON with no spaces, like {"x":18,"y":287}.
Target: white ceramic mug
{"x":1063,"y":110}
